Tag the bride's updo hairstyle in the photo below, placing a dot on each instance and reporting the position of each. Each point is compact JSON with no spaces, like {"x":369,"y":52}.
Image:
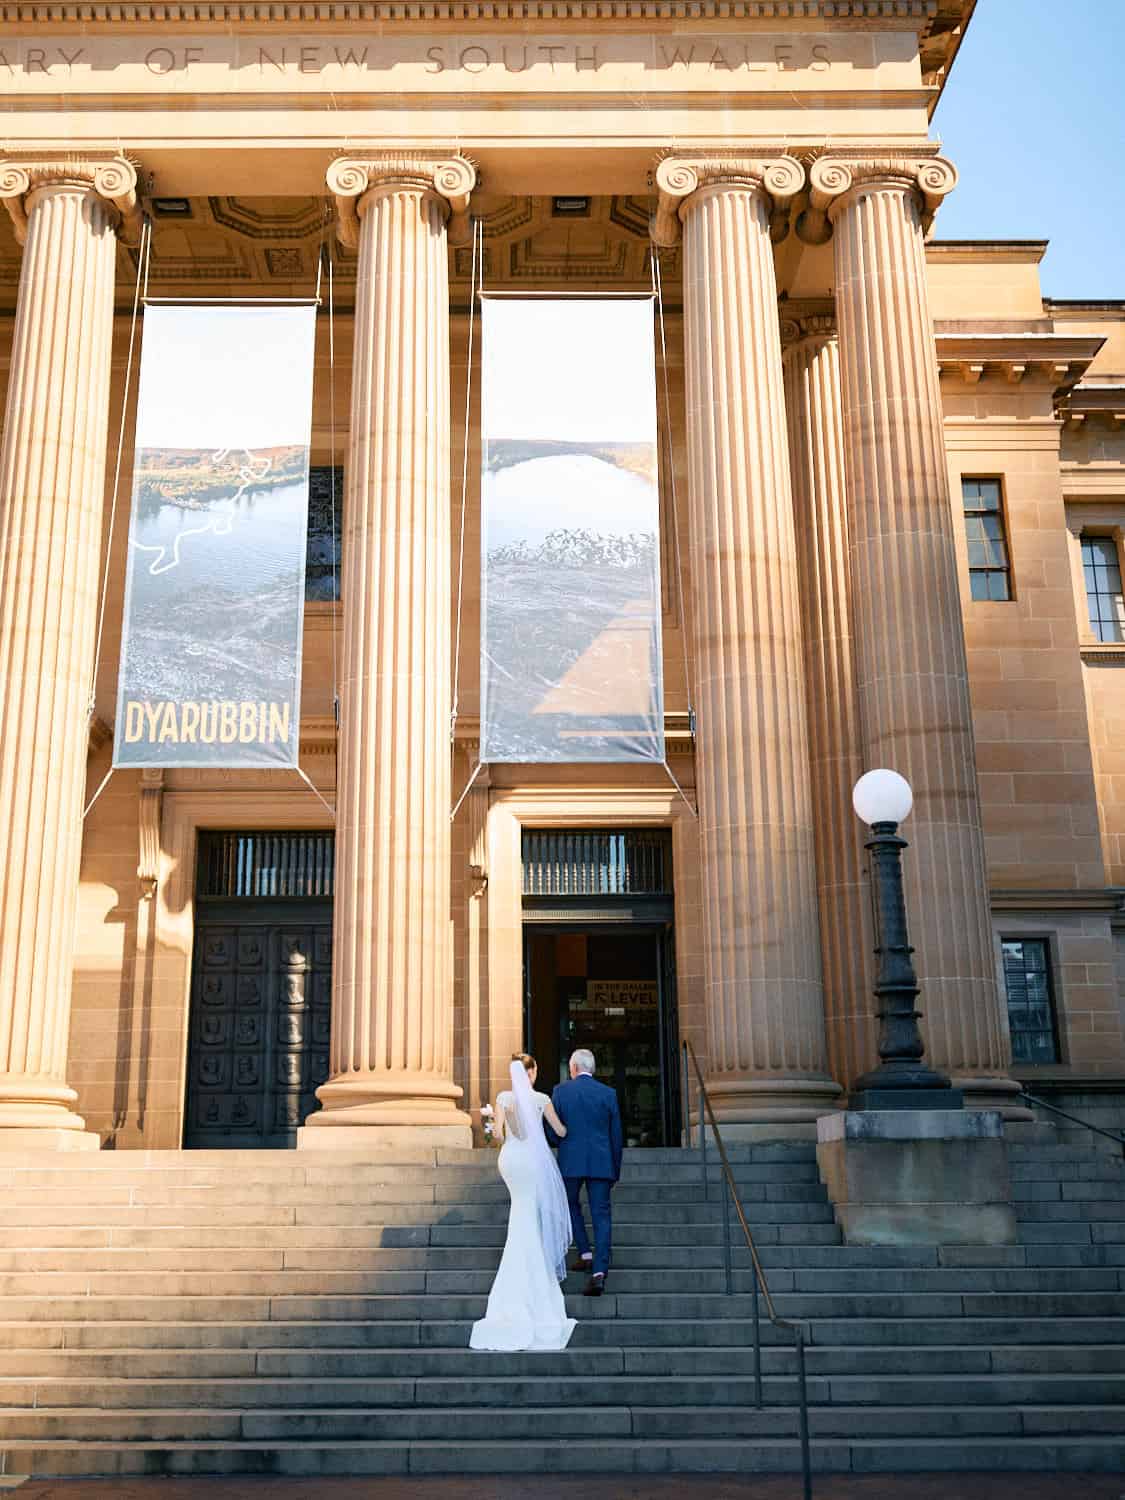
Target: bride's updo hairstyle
{"x":525,"y":1058}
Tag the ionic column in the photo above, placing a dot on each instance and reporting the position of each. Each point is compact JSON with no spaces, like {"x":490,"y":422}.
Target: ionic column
{"x":816,"y":451}
{"x":52,"y":478}
{"x":392,"y":989}
{"x":762,"y":953}
{"x":910,"y":649}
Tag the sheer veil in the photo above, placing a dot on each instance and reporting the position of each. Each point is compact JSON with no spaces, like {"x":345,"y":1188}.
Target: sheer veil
{"x":550,"y":1194}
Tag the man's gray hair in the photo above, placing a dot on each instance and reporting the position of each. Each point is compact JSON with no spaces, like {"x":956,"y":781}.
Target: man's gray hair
{"x":582,"y":1060}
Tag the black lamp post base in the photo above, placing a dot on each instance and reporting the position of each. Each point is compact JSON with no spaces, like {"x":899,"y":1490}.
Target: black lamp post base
{"x":906,"y":1098}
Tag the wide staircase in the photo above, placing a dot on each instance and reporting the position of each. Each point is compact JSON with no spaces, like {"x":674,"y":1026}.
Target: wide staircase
{"x":278,"y":1313}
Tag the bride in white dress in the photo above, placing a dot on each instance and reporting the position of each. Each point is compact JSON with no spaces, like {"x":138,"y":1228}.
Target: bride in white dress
{"x":525,"y":1306}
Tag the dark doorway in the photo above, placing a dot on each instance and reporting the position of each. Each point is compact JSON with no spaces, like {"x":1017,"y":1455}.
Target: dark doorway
{"x":607,"y":988}
{"x":261,"y":988}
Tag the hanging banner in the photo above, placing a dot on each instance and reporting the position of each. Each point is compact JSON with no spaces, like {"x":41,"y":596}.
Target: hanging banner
{"x":210,"y":671}
{"x":570,"y":550}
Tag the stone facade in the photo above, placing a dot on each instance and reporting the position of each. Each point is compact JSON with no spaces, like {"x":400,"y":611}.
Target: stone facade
{"x":819,"y":614}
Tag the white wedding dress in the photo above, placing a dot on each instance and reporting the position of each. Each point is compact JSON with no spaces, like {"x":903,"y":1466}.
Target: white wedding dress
{"x":525,"y":1306}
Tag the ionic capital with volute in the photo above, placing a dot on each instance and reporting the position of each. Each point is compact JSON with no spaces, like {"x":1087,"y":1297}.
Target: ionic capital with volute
{"x":446,"y":175}
{"x":834,"y":179}
{"x":112,"y":178}
{"x":679,"y":178}
{"x":797,"y":328}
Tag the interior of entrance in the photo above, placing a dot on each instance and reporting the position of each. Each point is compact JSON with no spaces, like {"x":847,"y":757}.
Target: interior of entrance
{"x":606,"y":988}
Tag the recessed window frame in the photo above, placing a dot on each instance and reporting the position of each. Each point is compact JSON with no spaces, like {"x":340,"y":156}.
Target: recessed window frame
{"x":988,"y":571}
{"x":1093,"y":627}
{"x":320,"y":596}
{"x":1048,"y":944}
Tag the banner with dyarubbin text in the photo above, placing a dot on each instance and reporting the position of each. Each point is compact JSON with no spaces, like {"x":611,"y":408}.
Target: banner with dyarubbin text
{"x":570,"y":551}
{"x":210,"y":671}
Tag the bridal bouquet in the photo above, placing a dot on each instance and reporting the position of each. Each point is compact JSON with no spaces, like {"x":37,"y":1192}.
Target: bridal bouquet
{"x":486,"y":1120}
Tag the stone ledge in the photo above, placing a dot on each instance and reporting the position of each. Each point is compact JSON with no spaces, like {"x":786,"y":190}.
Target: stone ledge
{"x":911,"y":1125}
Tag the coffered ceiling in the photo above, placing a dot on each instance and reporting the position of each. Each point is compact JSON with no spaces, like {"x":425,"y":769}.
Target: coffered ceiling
{"x":231,"y":247}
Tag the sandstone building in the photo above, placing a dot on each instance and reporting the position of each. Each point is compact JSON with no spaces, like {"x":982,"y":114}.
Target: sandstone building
{"x":893,"y":505}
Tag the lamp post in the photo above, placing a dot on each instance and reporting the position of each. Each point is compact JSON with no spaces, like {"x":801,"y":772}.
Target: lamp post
{"x":883,"y":799}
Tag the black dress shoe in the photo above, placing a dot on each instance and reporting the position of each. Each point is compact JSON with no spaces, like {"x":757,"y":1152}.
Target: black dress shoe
{"x":580,"y":1263}
{"x":595,"y":1286}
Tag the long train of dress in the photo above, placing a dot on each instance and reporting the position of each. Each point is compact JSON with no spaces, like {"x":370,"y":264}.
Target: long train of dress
{"x":526,"y":1309}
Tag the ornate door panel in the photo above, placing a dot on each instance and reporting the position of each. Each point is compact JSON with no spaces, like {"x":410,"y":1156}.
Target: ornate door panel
{"x":260,"y":1008}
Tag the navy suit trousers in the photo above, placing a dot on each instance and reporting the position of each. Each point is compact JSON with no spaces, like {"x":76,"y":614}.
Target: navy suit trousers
{"x":598,"y":1190}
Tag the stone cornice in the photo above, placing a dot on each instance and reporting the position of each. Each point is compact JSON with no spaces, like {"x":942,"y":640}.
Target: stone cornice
{"x":779,"y":177}
{"x":930,"y":18}
{"x":1104,"y":403}
{"x":450,"y":176}
{"x":1059,"y":359}
{"x":832,"y":179}
{"x":113,"y":178}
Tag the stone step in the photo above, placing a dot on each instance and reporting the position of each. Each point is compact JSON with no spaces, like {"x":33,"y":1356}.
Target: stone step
{"x":144,"y":1424}
{"x":1088,"y":1209}
{"x":456,"y":1191}
{"x":393,"y":1236}
{"x":331,"y":1364}
{"x":614,"y":1455}
{"x":683,"y":1304}
{"x":190,"y":1178}
{"x":854,"y":1267}
{"x":649,"y":1210}
{"x":1065,"y":1190}
{"x":690,"y":1333}
{"x":486,"y":1389}
{"x":1040,"y":1169}
{"x":476,"y":1280}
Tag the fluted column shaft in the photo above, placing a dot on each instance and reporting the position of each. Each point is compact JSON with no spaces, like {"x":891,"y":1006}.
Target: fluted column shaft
{"x":392,"y":997}
{"x":910,"y":651}
{"x":816,"y":448}
{"x":52,"y":479}
{"x":762,"y":953}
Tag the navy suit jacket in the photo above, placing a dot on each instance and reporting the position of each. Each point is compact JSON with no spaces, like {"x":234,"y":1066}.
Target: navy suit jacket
{"x":593,"y":1141}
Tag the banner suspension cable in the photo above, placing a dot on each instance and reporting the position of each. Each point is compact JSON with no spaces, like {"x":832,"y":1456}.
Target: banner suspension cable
{"x":142,"y":281}
{"x":477,"y":268}
{"x":143,"y":253}
{"x":315,"y":791}
{"x":658,"y":293}
{"x":477,"y":768}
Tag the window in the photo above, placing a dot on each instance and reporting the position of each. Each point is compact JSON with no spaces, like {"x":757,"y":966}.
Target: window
{"x":989,"y":569}
{"x":322,"y":554}
{"x":1102,"y":570}
{"x":1031,"y":1009}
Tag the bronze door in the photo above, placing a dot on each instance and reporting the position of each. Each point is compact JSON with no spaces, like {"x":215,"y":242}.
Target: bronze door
{"x":259,"y":1024}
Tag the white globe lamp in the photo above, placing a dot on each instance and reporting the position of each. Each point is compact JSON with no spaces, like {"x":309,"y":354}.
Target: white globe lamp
{"x":882,"y":797}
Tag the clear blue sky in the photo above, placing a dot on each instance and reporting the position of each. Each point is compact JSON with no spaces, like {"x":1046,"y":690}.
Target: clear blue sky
{"x":1033,"y":116}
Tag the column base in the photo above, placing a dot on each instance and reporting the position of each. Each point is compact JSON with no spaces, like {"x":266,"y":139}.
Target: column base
{"x":918,"y":1177}
{"x":377,"y":1137}
{"x":992,"y":1091}
{"x":37,"y":1116}
{"x":377,"y":1111}
{"x":774,"y":1101}
{"x":43,"y":1138}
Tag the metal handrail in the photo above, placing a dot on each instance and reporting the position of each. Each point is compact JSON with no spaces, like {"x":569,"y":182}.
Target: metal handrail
{"x":730,"y":1194}
{"x":1110,"y":1135}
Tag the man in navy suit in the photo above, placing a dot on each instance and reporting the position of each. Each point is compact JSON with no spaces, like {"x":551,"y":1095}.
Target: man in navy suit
{"x":590,"y":1154}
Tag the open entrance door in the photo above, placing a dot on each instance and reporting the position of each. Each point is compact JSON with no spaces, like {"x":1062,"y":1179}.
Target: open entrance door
{"x":607,"y":988}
